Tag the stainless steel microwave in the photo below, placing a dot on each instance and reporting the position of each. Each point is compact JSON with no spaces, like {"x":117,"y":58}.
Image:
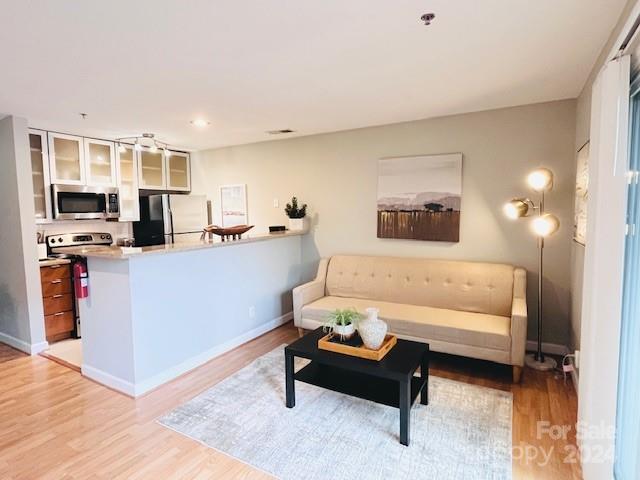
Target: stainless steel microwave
{"x":79,"y":202}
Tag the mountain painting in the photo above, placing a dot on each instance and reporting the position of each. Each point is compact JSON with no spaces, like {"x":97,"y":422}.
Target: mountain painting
{"x":419,"y":197}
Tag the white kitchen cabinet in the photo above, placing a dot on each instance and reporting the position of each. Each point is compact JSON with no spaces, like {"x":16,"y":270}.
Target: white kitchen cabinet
{"x":66,"y":159}
{"x":127,"y":175}
{"x":40,"y":174}
{"x":100,"y":162}
{"x":178,"y":172}
{"x":152,"y":170}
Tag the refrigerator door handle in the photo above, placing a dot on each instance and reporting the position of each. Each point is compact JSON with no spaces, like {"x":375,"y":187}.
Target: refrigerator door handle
{"x":171,"y":223}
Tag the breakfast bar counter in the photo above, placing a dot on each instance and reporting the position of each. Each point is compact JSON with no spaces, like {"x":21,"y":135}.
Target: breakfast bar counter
{"x":120,"y":253}
{"x":154,"y":313}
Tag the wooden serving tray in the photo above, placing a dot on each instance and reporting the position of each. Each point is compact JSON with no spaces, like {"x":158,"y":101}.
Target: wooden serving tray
{"x":355,"y":347}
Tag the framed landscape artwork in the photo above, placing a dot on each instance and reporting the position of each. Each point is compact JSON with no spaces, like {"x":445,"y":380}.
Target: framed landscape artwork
{"x":233,"y":205}
{"x":582,"y":193}
{"x":419,"y":197}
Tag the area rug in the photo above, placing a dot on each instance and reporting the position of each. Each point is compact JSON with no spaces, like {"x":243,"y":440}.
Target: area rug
{"x":464,"y":432}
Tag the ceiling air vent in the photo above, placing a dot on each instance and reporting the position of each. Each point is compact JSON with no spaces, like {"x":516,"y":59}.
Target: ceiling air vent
{"x":280,"y":132}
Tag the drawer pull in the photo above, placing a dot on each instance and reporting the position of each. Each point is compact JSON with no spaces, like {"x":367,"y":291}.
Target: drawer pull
{"x":58,"y":314}
{"x":56,"y":281}
{"x":58,"y":296}
{"x":55,"y":266}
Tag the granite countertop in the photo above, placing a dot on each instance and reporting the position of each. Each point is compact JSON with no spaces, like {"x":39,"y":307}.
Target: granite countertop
{"x":123,"y":253}
{"x":48,"y":262}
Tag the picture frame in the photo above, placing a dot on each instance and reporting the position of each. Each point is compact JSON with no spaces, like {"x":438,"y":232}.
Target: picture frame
{"x":419,"y":197}
{"x":233,"y":205}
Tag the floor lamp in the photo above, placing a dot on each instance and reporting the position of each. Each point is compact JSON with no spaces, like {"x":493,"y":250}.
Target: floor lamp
{"x":542,"y":225}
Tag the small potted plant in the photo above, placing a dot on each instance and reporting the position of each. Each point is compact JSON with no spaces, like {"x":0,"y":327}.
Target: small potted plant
{"x":343,"y":322}
{"x":296,"y":215}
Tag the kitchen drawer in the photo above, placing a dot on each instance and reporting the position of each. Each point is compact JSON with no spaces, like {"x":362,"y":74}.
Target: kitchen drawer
{"x":58,"y":286}
{"x":58,"y":303}
{"x":54,"y":272}
{"x":58,"y":323}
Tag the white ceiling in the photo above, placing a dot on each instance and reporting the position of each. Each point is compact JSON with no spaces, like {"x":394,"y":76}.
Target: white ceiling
{"x":248,"y":66}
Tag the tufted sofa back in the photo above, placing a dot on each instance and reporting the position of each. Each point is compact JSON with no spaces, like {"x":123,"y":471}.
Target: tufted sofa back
{"x":467,"y":286}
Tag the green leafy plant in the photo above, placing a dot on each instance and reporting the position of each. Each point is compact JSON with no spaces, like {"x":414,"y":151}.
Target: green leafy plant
{"x":342,"y":317}
{"x":293,"y":211}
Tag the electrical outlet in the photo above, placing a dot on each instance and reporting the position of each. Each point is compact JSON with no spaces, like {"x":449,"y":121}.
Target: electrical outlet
{"x":252,"y":312}
{"x":276,"y":203}
{"x":577,"y":359}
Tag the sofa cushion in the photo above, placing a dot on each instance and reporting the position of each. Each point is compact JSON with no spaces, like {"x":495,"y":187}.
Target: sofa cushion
{"x":467,"y":286}
{"x":475,"y":329}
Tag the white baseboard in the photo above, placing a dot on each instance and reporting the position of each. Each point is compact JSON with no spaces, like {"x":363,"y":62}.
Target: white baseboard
{"x":30,"y":348}
{"x":550,"y":348}
{"x":39,"y":347}
{"x":139,"y":388}
{"x":574,"y":374}
{"x":108,"y":380}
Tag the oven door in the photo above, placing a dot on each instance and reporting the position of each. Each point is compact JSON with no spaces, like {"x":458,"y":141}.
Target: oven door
{"x":71,"y":202}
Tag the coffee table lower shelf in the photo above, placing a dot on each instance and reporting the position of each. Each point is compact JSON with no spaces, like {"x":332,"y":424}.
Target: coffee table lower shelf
{"x":370,"y":388}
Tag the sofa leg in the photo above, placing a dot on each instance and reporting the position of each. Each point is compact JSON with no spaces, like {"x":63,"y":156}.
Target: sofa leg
{"x":517,"y":374}
{"x":300,"y":332}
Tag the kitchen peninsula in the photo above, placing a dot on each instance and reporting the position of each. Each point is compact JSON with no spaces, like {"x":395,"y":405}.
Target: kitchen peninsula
{"x":154,"y":313}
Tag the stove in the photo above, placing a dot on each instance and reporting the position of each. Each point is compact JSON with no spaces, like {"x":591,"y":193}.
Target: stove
{"x":58,"y":246}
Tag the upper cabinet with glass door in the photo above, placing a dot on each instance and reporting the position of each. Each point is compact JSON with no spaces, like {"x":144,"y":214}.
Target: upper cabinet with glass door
{"x":40,"y":175}
{"x":127,"y":172}
{"x":100,"y":162}
{"x":66,"y":159}
{"x":178,"y":172}
{"x":152,"y":170}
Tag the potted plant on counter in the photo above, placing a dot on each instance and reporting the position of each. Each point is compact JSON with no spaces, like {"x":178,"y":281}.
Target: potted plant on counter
{"x":343,"y":322}
{"x":297,"y":220}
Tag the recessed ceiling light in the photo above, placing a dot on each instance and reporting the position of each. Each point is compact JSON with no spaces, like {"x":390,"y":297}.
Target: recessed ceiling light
{"x":427,"y":18}
{"x":200,"y":123}
{"x":280,"y":132}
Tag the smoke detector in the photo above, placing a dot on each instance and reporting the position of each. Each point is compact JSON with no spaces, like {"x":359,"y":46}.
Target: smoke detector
{"x":427,"y":18}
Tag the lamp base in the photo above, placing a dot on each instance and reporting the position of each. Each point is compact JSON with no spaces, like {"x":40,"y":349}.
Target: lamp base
{"x":546,"y":364}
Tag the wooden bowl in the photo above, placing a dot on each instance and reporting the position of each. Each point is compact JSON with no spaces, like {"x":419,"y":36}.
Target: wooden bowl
{"x":228,"y":232}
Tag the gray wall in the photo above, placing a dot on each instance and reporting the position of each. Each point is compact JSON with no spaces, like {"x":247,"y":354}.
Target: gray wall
{"x":583,"y":127}
{"x":21,"y":311}
{"x":151,"y":318}
{"x":336,"y":174}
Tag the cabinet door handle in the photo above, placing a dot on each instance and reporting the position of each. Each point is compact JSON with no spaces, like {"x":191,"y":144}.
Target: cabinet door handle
{"x":58,"y":314}
{"x":58,"y":296}
{"x":56,"y":281}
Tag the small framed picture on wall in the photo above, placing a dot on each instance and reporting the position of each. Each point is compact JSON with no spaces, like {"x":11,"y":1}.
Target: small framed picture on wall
{"x":233,"y":205}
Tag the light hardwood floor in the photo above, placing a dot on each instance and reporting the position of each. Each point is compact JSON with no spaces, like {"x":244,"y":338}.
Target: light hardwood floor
{"x":56,"y":424}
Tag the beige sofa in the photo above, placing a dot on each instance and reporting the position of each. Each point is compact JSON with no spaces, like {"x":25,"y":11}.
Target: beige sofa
{"x":476,"y":310}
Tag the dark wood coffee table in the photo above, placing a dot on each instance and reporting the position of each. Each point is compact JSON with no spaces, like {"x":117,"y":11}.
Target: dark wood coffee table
{"x":390,"y":381}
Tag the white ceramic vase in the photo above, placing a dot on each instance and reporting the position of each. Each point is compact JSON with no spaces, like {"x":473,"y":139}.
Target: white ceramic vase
{"x":372,"y":330}
{"x":345,"y":331}
{"x":297,"y":224}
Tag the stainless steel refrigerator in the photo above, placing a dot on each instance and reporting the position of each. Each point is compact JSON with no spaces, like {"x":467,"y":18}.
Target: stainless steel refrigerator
{"x":171,"y":218}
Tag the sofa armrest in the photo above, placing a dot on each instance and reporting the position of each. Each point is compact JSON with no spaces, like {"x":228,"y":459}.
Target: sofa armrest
{"x":309,"y":292}
{"x":519,"y":317}
{"x":518,"y":331}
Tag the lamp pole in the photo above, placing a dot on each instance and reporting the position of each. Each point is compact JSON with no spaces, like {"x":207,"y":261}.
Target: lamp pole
{"x":539,"y":357}
{"x":538,"y":361}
